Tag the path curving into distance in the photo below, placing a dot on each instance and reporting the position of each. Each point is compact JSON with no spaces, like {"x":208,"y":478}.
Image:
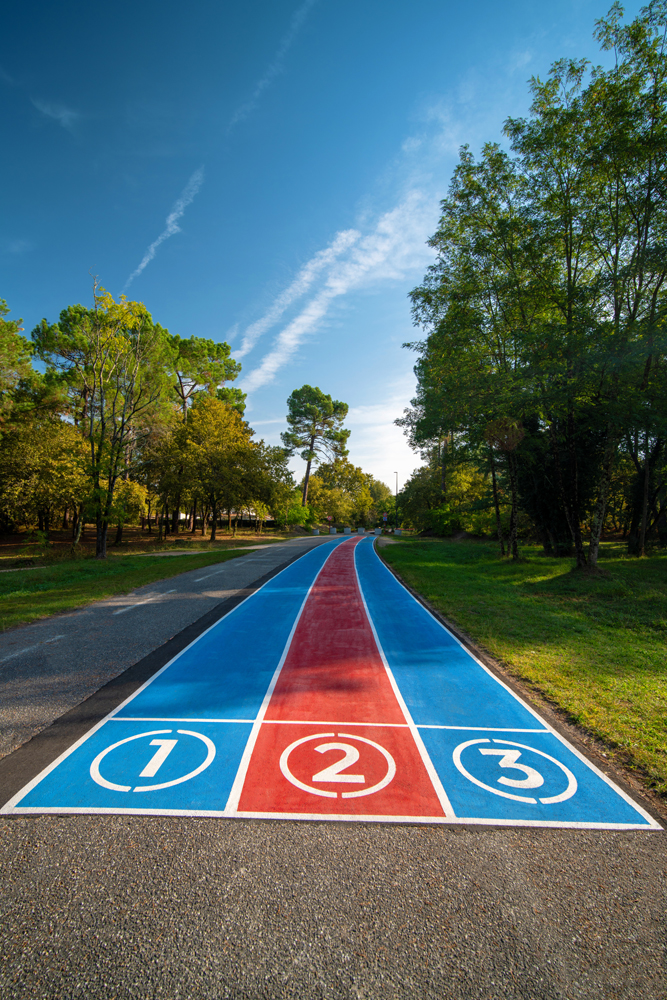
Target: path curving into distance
{"x":330,"y":693}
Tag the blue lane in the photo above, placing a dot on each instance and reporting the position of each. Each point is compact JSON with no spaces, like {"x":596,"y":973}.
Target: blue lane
{"x":511,"y":776}
{"x":441,"y":683}
{"x":227,"y":671}
{"x":223,"y":675}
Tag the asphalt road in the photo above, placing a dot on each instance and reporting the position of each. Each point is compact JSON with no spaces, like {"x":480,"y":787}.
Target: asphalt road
{"x":166,"y":907}
{"x":54,"y":664}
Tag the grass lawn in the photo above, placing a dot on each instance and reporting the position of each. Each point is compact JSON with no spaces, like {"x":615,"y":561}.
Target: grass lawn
{"x":593,"y":645}
{"x":28,"y":594}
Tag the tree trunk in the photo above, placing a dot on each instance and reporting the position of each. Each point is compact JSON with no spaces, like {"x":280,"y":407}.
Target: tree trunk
{"x":119,"y":533}
{"x":571,"y":516}
{"x":574,"y":486}
{"x":101,"y":538}
{"x":80,"y":525}
{"x":175,"y":517}
{"x":304,"y":499}
{"x":65,"y":518}
{"x":647,"y":477}
{"x":496,"y":504}
{"x":215,"y":523}
{"x":512,"y":545}
{"x":600,"y":509}
{"x":204,"y":516}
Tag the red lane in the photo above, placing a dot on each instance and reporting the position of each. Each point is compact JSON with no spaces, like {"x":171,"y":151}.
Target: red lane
{"x":333,"y":670}
{"x":333,"y":674}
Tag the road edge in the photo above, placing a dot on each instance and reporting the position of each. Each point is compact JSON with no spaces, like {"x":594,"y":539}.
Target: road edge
{"x":28,"y":760}
{"x":585,"y":741}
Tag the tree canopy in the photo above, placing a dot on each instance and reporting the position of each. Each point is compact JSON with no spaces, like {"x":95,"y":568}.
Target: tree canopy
{"x":315,"y":424}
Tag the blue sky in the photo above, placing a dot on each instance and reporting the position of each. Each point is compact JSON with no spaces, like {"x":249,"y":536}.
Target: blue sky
{"x":265,"y":173}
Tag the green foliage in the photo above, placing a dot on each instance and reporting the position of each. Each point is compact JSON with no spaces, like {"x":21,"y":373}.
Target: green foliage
{"x":546,"y":309}
{"x":201,"y":364}
{"x":315,"y":424}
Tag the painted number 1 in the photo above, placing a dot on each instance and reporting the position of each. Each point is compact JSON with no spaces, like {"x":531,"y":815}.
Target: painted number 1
{"x":158,"y":758}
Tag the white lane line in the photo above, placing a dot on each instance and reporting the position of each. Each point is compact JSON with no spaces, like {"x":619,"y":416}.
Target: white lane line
{"x":284,"y":722}
{"x":148,"y":599}
{"x":481,"y":729}
{"x":27,"y":649}
{"x":138,"y":718}
{"x":217,"y":571}
{"x":10,"y":806}
{"x":239,"y":780}
{"x":438,"y":787}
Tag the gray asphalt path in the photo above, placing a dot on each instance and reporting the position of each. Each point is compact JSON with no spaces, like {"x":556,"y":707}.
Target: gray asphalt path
{"x":163,"y":908}
{"x":52,"y":665}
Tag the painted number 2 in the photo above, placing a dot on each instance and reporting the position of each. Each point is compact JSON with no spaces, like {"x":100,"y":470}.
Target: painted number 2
{"x":333,"y":772}
{"x":508,"y":758}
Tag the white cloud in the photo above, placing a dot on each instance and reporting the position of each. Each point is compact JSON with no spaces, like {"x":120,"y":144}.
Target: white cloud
{"x":394,"y":248}
{"x":376,"y":443}
{"x":66,"y":117}
{"x":171,"y":227}
{"x":304,"y":279}
{"x":275,"y":67}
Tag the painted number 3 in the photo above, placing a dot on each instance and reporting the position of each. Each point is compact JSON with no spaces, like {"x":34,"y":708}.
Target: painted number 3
{"x":508,"y":758}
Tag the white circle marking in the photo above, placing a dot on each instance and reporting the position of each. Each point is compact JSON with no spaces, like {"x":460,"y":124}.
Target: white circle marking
{"x":284,"y":767}
{"x":95,"y":766}
{"x":548,"y":800}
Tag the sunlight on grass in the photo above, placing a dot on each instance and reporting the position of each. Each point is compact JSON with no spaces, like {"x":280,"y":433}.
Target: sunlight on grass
{"x":594,"y":645}
{"x":46,"y":590}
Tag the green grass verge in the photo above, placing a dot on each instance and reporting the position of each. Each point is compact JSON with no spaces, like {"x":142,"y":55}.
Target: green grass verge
{"x":592,"y":644}
{"x":60,"y":586}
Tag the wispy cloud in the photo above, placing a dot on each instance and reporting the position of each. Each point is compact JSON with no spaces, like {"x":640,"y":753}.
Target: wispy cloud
{"x":394,"y":247}
{"x":276,"y":65}
{"x":171,"y":227}
{"x":17,"y":247}
{"x":66,"y":117}
{"x":6,"y":78}
{"x":303,"y":281}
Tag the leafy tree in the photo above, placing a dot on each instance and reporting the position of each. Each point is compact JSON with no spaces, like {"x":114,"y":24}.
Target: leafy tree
{"x":15,"y":364}
{"x":234,"y":397}
{"x":44,"y":466}
{"x":545,"y":307}
{"x":219,"y":456}
{"x":316,"y":426}
{"x":115,"y":362}
{"x":199,"y":364}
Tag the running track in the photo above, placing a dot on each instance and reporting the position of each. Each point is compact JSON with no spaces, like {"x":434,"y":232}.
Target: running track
{"x":330,"y":693}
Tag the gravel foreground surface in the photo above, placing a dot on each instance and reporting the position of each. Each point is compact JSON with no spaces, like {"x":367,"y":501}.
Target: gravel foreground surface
{"x":144,"y":907}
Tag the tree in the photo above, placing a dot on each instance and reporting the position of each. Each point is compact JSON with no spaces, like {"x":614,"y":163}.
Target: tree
{"x":15,"y":365}
{"x":44,"y":465}
{"x":316,"y":426}
{"x":219,"y":456}
{"x":115,"y":362}
{"x":199,"y":364}
{"x":545,"y":309}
